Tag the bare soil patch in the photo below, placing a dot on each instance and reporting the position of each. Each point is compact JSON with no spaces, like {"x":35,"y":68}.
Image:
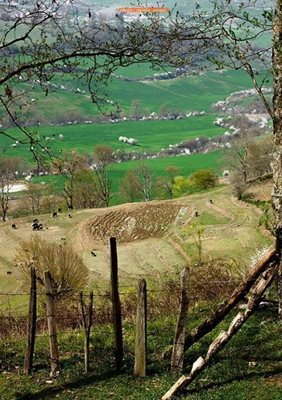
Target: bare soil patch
{"x":134,"y":222}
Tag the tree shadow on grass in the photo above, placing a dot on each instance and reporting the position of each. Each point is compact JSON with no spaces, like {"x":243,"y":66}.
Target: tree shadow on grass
{"x":48,"y":393}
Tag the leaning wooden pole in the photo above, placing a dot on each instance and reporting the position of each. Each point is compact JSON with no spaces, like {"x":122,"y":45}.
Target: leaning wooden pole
{"x":269,"y":259}
{"x":116,"y":304}
{"x":52,"y":327}
{"x":177,"y":357}
{"x":31,"y":329}
{"x":140,"y":365}
{"x":224,"y":337}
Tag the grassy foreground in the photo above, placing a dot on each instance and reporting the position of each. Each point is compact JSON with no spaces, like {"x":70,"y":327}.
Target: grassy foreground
{"x":230,"y":377}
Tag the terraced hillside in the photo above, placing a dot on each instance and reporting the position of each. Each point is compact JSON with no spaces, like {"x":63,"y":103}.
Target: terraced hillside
{"x":153,"y":238}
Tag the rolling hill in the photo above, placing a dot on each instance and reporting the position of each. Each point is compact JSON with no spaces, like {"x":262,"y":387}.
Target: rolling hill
{"x":154,"y":238}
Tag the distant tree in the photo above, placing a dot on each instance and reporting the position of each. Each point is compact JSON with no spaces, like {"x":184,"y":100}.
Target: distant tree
{"x":259,"y":157}
{"x":85,"y":186}
{"x":136,"y":110}
{"x":9,"y":168}
{"x":171,"y":173}
{"x":237,"y":158}
{"x":238,"y":184}
{"x":103,"y":157}
{"x":145,"y":181}
{"x":130,"y":187}
{"x":196,"y":232}
{"x":32,"y":197}
{"x":248,"y":160}
{"x":181,"y":186}
{"x":69,"y":166}
{"x":163,"y":111}
{"x":67,"y":268}
{"x":203,"y":179}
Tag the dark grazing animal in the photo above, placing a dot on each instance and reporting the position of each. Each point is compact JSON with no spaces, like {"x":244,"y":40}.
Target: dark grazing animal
{"x":35,"y":226}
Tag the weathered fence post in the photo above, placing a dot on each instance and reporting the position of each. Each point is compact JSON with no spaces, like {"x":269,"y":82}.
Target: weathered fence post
{"x":87,"y":323}
{"x":31,"y":327}
{"x":141,"y":331}
{"x":51,"y":320}
{"x":177,"y":356}
{"x":116,"y":304}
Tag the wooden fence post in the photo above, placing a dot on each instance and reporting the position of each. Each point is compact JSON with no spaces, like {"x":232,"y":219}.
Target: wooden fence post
{"x":51,"y":320}
{"x":116,"y":304}
{"x":87,"y":323}
{"x":141,"y":331}
{"x":177,"y":357}
{"x":31,"y":328}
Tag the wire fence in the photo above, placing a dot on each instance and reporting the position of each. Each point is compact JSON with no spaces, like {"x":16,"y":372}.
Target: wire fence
{"x":162,"y":307}
{"x":162,"y":302}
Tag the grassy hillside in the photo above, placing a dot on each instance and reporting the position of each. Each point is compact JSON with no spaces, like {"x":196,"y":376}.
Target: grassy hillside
{"x":194,"y":92}
{"x":152,"y":136}
{"x":168,"y":234}
{"x":186,"y":93}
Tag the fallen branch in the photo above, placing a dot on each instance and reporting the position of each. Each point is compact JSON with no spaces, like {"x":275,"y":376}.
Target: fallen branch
{"x":268,"y":260}
{"x":224,"y":337}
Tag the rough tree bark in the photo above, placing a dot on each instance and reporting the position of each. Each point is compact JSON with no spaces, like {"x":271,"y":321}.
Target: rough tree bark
{"x":277,"y":130}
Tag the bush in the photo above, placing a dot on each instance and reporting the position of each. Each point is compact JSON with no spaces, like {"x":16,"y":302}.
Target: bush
{"x":67,"y":268}
{"x":180,"y":186}
{"x":203,"y":179}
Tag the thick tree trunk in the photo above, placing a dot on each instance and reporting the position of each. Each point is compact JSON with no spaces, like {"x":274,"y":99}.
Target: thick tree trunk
{"x":277,"y":129}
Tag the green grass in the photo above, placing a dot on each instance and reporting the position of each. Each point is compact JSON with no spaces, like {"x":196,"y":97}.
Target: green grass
{"x":186,"y":164}
{"x":208,"y":218}
{"x":229,"y":377}
{"x":195,"y":92}
{"x":152,"y":136}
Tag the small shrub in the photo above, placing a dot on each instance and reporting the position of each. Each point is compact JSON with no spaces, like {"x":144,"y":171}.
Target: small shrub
{"x":67,"y":268}
{"x":203,"y":179}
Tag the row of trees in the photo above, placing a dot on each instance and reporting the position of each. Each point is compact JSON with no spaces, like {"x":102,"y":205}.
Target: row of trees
{"x":84,"y":188}
{"x":248,"y":160}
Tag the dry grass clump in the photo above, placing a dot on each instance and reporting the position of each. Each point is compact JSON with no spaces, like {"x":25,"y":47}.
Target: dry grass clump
{"x":68,"y":271}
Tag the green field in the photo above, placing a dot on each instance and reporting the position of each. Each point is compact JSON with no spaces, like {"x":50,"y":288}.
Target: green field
{"x":186,"y":164}
{"x":152,"y":135}
{"x":194,"y":92}
{"x":191,"y":93}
